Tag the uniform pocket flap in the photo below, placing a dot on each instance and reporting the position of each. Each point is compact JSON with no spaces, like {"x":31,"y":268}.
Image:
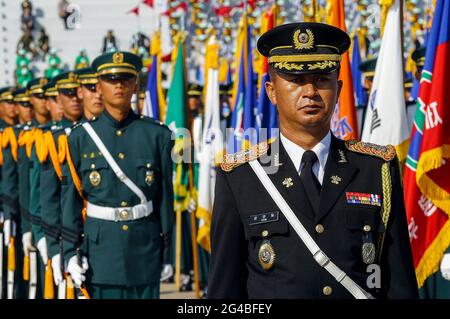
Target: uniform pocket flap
{"x":93,"y":164}
{"x":266,"y":225}
{"x":148,"y":163}
{"x":358,"y":218}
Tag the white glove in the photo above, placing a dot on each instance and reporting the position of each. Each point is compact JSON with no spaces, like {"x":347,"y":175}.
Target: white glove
{"x":42,"y":247}
{"x":192,"y":206}
{"x":7,"y":230}
{"x":27,"y":243}
{"x":77,"y":272}
{"x":166,"y":272}
{"x":57,"y":274}
{"x":445,"y":266}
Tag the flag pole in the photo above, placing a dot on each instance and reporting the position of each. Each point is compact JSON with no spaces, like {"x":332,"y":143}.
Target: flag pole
{"x":194,"y":237}
{"x":178,"y":249}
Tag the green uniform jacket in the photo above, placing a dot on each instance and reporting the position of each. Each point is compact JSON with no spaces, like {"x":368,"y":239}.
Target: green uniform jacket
{"x":50,"y":187}
{"x":3,"y":125}
{"x":120,"y":253}
{"x":35,"y":184}
{"x":23,"y":174}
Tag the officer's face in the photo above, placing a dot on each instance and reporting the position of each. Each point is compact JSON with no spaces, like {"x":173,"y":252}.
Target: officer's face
{"x":26,"y":113}
{"x":117,"y":91}
{"x":10,"y":110}
{"x":92,"y":100}
{"x":71,"y":104}
{"x":304,"y":101}
{"x":55,"y":109}
{"x":39,"y":104}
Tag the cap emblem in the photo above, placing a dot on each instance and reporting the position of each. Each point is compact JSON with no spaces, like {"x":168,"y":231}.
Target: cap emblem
{"x":303,"y":40}
{"x":117,"y":57}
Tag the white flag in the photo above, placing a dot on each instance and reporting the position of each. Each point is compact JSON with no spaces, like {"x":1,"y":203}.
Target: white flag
{"x":212,"y":144}
{"x":386,"y":120}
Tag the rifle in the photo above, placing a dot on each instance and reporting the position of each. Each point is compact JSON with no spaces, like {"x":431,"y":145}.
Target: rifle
{"x":1,"y":257}
{"x":11,"y":262}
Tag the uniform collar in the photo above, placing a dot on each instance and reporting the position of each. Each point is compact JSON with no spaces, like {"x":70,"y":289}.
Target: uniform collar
{"x":107,"y":118}
{"x":67,"y":123}
{"x":295,"y":152}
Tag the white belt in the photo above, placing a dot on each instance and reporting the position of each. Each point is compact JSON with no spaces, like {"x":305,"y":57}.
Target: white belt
{"x":120,"y":213}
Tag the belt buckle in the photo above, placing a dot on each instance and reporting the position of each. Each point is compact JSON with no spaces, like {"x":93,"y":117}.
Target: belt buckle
{"x":123,"y":214}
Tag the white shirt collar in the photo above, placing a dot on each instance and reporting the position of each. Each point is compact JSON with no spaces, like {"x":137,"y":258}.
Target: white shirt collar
{"x":321,"y":149}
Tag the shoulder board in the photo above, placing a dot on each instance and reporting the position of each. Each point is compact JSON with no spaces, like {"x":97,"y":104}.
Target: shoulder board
{"x":231,"y":161}
{"x":386,"y":153}
{"x":152,"y":120}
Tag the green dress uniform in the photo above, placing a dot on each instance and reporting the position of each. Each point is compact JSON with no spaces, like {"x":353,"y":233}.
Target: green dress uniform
{"x":124,"y":256}
{"x":10,"y":188}
{"x":123,"y":237}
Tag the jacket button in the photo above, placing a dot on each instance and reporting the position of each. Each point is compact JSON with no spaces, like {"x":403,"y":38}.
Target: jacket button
{"x":119,"y":133}
{"x":121,"y":155}
{"x":367,"y":228}
{"x":319,"y":228}
{"x":327,"y":290}
{"x":125,"y":227}
{"x":123,"y":204}
{"x":265,"y":233}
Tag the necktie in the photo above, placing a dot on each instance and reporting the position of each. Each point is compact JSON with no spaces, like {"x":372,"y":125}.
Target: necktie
{"x":310,"y":183}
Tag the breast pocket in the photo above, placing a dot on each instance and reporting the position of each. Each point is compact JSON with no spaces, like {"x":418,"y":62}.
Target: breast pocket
{"x":95,"y":174}
{"x":147,"y":174}
{"x":268,"y":230}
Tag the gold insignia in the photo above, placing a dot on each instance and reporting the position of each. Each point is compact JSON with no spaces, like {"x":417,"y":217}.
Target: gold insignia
{"x":117,"y":57}
{"x":385,"y":152}
{"x":43,"y":81}
{"x":322,"y":65}
{"x":342,"y":157}
{"x":92,"y":155}
{"x":95,"y":178}
{"x":288,"y":66}
{"x":72,"y":77}
{"x":336,"y":179}
{"x":288,"y":182}
{"x":303,"y":40}
{"x":149,"y":177}
{"x":231,"y":161}
{"x":266,"y":255}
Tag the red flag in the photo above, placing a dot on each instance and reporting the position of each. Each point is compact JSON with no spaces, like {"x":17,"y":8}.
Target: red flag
{"x":148,"y":2}
{"x":344,"y":124}
{"x":427,"y":170}
{"x":182,"y":5}
{"x":135,"y":10}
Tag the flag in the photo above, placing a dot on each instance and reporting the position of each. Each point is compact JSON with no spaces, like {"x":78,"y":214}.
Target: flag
{"x":135,"y":10}
{"x":267,"y":116}
{"x":386,"y":121}
{"x":427,"y":171}
{"x":250,"y":106}
{"x":211,"y":146}
{"x":360,"y":92}
{"x":177,"y":122}
{"x":155,"y":104}
{"x":237,"y":116}
{"x":344,"y":124}
{"x":149,"y":3}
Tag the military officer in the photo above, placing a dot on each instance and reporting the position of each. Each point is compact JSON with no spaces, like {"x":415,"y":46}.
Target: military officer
{"x":16,"y":220}
{"x":48,"y":92}
{"x":339,"y":201}
{"x":120,"y":164}
{"x":66,"y":85}
{"x":88,"y":93}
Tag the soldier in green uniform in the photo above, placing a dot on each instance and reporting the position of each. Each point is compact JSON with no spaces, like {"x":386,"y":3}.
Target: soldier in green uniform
{"x":12,"y":202}
{"x":9,"y":118}
{"x":125,"y":177}
{"x":88,"y":93}
{"x":50,"y":179}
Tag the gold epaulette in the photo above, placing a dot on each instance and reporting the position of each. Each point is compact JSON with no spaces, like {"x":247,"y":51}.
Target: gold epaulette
{"x":385,"y":152}
{"x":231,"y":161}
{"x":41,"y":146}
{"x":9,"y":139}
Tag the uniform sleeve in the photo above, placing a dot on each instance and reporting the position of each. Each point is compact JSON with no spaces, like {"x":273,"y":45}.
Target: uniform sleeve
{"x":397,"y":264}
{"x":24,"y":191}
{"x":227,"y":271}
{"x":72,"y":206}
{"x":10,"y":186}
{"x":35,"y":195}
{"x":50,"y":207}
{"x":166,"y":197}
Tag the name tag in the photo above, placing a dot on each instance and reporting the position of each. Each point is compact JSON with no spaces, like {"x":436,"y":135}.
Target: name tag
{"x":263,"y":218}
{"x":363,"y":198}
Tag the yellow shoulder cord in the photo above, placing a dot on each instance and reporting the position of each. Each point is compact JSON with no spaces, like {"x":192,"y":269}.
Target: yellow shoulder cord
{"x":9,"y":138}
{"x":387,"y":203}
{"x":53,"y":153}
{"x":31,"y":140}
{"x":64,"y":155}
{"x":41,"y":146}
